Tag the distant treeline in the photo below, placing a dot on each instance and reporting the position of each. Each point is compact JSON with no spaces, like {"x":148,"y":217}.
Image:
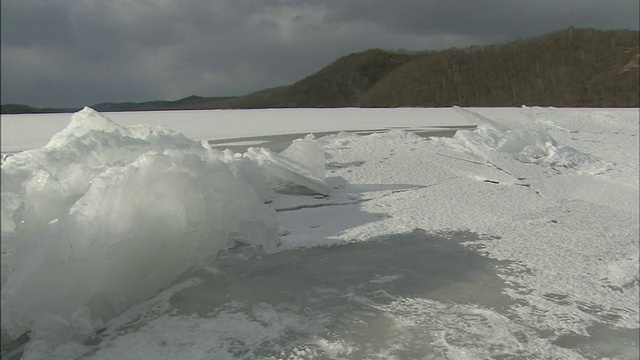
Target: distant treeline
{"x":188,"y":103}
{"x":569,"y":68}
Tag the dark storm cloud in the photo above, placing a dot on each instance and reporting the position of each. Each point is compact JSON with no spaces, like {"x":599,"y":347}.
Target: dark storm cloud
{"x":76,"y":52}
{"x":28,"y":23}
{"x":488,"y":17}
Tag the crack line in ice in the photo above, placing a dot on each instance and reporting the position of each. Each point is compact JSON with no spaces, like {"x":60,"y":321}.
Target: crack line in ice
{"x":314,"y":206}
{"x":487,"y":162}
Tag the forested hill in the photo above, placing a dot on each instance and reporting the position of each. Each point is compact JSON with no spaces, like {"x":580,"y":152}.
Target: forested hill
{"x":569,"y":68}
{"x":582,"y":68}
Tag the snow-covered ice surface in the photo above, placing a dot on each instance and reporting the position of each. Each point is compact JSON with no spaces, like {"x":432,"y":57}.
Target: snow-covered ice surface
{"x":22,"y":132}
{"x":514,"y":239}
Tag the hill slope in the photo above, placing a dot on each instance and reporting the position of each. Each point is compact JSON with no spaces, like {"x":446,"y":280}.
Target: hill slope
{"x":568,"y":68}
{"x":340,"y":84}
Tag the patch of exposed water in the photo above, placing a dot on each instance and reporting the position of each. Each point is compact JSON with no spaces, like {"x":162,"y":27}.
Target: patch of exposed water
{"x":416,"y":264}
{"x":354,"y":294}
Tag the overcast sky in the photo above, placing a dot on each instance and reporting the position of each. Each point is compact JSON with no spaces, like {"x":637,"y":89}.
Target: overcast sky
{"x":82,"y":52}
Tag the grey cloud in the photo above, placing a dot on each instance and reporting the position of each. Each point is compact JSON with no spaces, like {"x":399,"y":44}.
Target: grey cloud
{"x":71,"y":52}
{"x":31,"y":23}
{"x":518,"y":17}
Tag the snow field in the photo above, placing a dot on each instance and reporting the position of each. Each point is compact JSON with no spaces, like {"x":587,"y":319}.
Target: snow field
{"x":551,"y":194}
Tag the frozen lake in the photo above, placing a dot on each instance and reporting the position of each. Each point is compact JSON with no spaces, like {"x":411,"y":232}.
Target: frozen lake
{"x":388,"y":234}
{"x":21,"y":132}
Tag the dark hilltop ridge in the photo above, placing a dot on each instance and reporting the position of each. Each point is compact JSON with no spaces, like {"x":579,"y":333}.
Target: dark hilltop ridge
{"x":568,"y":68}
